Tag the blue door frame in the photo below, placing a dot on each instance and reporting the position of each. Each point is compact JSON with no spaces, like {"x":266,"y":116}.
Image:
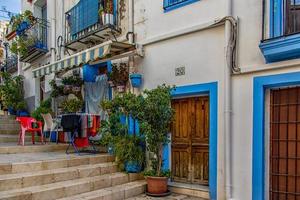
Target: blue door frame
{"x":211,"y":89}
{"x":260,"y":84}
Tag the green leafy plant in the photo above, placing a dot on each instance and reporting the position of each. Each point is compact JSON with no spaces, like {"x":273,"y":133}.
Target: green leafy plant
{"x":72,"y":80}
{"x":19,"y":18}
{"x":101,"y":10}
{"x":72,"y":105}
{"x":12,"y":92}
{"x":56,"y":90}
{"x":44,"y":108}
{"x":127,"y":148}
{"x":21,"y":45}
{"x":109,"y":7}
{"x":155,"y":121}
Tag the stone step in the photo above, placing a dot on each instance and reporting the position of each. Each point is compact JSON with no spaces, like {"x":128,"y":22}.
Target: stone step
{"x":9,"y":132}
{"x":13,"y":138}
{"x":13,"y":148}
{"x":119,"y":192}
{"x":51,"y":164}
{"x":9,"y":121}
{"x":9,"y":127}
{"x":194,"y":190}
{"x":35,"y":178}
{"x":67,"y":188}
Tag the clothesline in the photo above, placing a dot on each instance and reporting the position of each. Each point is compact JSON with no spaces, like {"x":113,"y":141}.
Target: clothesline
{"x":79,"y":114}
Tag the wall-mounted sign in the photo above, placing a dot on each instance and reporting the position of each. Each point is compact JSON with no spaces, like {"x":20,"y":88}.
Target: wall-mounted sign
{"x":180,"y":71}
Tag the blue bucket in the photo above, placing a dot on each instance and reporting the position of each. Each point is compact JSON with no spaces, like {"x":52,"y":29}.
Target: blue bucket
{"x":136,"y":80}
{"x":132,"y":167}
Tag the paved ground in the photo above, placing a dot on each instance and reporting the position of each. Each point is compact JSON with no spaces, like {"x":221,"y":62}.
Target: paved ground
{"x":171,"y":197}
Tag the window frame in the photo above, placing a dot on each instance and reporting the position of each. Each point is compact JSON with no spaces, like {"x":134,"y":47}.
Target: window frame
{"x":168,"y":7}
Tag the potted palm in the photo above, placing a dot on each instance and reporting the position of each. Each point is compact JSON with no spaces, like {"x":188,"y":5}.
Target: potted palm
{"x":106,"y":12}
{"x":155,"y":122}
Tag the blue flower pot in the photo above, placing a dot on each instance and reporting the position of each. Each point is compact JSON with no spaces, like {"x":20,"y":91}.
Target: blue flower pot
{"x":136,"y":80}
{"x":22,"y":113}
{"x":11,"y":111}
{"x":132,"y":167}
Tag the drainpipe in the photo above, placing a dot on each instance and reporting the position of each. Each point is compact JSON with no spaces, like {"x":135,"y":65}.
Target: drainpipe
{"x":131,"y":21}
{"x":228,"y":104}
{"x":53,"y":32}
{"x":130,"y":33}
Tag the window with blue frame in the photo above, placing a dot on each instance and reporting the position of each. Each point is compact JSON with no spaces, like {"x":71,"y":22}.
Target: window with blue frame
{"x":283,"y":21}
{"x":173,"y":4}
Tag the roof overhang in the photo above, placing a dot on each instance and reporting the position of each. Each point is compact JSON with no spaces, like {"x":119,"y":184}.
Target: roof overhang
{"x":104,"y":52}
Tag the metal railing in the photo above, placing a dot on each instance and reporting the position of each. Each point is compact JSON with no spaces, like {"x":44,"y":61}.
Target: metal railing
{"x":83,"y":19}
{"x":37,"y":34}
{"x":10,"y":64}
{"x":280,"y":18}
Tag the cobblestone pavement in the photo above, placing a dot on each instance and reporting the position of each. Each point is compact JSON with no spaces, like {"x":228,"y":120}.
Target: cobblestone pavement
{"x":171,"y":197}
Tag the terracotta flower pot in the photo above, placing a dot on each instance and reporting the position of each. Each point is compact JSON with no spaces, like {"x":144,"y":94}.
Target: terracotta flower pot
{"x":157,"y":185}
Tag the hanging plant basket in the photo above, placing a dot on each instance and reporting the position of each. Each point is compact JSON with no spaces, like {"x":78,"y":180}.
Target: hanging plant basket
{"x":136,"y":80}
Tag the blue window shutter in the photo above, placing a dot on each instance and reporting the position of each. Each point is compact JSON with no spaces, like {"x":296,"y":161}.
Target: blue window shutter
{"x":83,"y":15}
{"x":276,"y":18}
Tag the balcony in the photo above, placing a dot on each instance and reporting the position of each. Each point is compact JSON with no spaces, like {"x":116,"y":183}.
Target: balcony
{"x":85,"y":27}
{"x":11,"y":64}
{"x":281,"y":30}
{"x":33,"y":41}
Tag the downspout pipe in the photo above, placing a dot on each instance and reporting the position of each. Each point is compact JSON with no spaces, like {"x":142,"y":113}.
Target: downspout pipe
{"x":53,"y":32}
{"x":228,"y":102}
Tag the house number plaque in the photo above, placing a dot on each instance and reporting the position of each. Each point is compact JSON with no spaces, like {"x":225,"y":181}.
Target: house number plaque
{"x":180,"y":71}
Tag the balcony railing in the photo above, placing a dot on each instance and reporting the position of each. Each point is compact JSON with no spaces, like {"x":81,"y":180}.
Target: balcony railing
{"x":35,"y":40}
{"x":85,"y":27}
{"x":10,"y":64}
{"x":282,"y":20}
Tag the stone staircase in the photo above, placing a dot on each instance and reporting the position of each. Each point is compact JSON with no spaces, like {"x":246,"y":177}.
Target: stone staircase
{"x":81,"y":177}
{"x":45,"y":172}
{"x":9,"y":130}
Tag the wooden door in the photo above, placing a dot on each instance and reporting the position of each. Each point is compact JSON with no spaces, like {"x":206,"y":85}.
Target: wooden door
{"x":190,"y":140}
{"x":284,"y":170}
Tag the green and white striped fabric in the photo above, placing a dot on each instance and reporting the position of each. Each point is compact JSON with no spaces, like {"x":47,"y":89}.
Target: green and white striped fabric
{"x":86,"y":56}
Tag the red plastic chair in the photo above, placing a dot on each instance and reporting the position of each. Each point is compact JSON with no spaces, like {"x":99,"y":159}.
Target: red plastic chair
{"x":26,"y":126}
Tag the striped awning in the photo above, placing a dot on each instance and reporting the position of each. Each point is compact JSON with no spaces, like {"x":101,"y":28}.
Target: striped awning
{"x":101,"y":53}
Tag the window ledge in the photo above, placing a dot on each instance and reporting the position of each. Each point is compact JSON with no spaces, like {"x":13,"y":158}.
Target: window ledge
{"x":280,"y":49}
{"x":173,"y":7}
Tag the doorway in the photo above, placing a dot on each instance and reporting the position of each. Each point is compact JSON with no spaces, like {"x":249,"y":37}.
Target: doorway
{"x":190,"y":140}
{"x":284,"y":168}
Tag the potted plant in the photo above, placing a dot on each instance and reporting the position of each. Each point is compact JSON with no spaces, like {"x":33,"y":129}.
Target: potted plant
{"x":108,"y":12}
{"x":12,"y":93}
{"x":155,"y":122}
{"x":44,"y":108}
{"x":72,"y":105}
{"x":56,"y":90}
{"x":127,"y":147}
{"x":119,"y":76}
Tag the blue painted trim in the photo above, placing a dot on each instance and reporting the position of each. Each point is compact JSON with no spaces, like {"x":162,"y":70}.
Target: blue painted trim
{"x":115,"y":11}
{"x":212,"y":90}
{"x":260,"y":84}
{"x":276,"y":18}
{"x":179,"y":5}
{"x":282,"y":48}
